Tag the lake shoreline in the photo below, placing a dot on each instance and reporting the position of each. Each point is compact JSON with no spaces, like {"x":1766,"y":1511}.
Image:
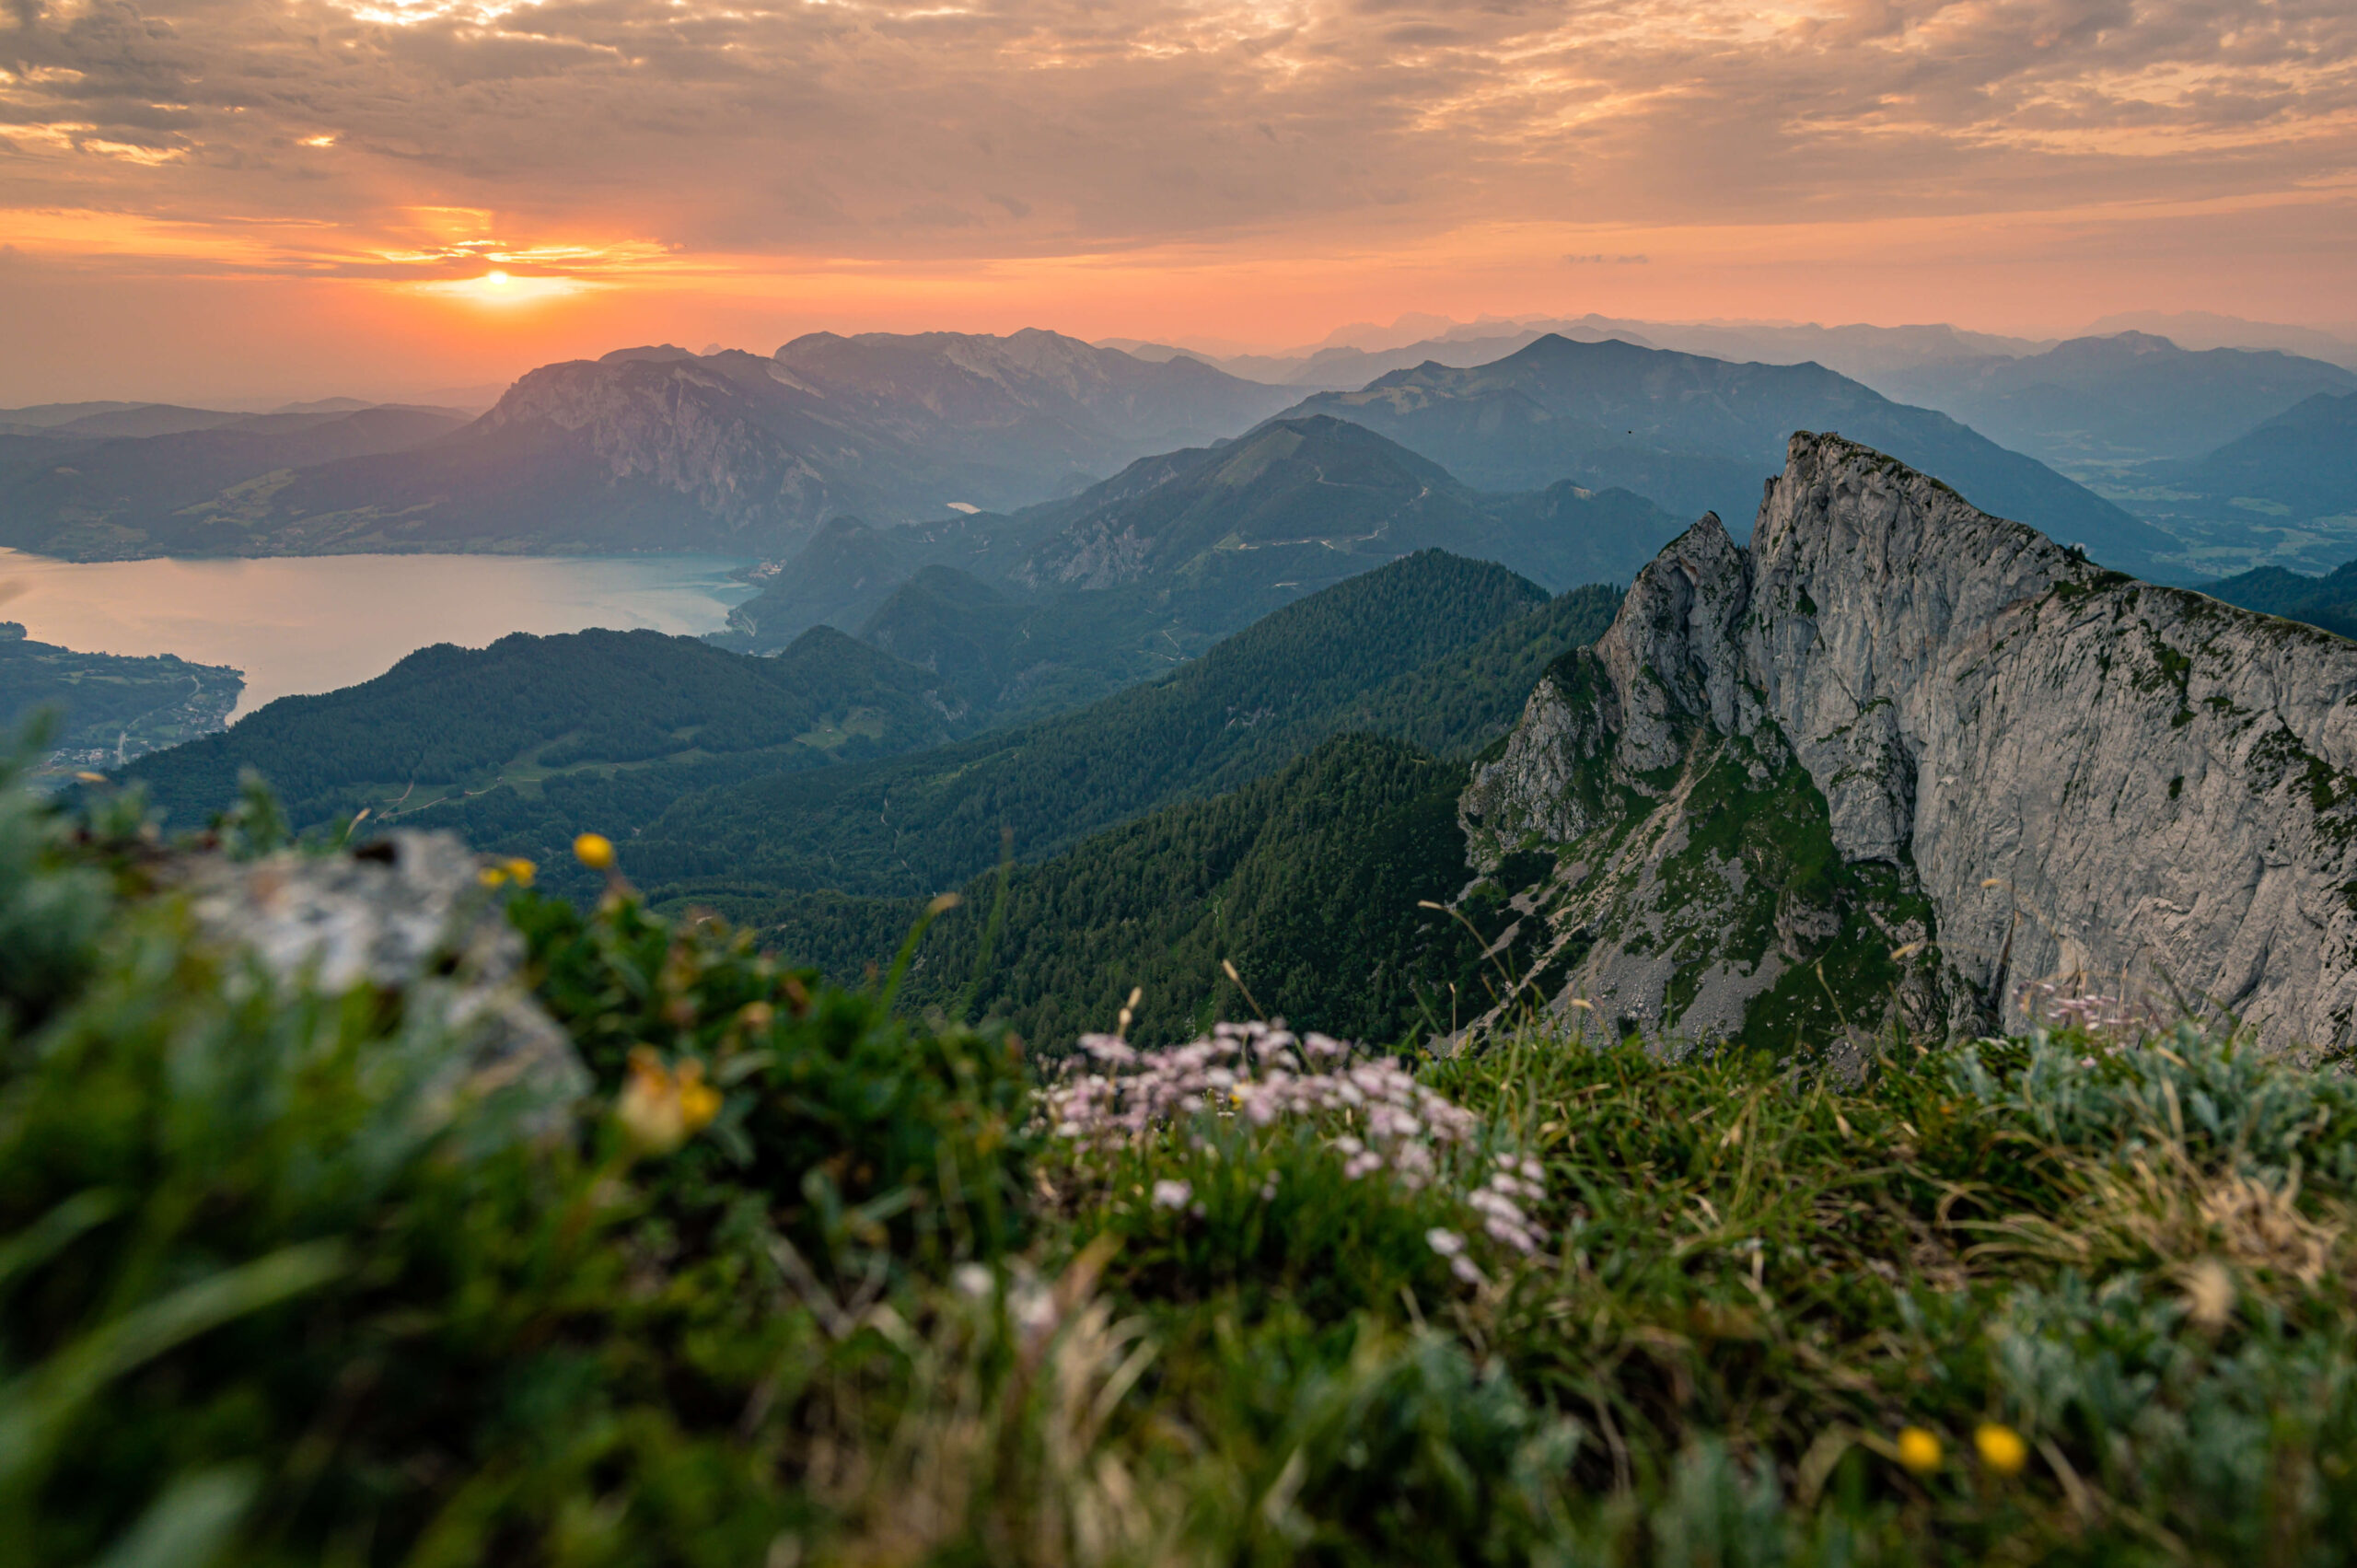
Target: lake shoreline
{"x":302,"y":625}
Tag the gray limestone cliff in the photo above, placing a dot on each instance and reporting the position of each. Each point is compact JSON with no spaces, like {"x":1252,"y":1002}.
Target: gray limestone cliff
{"x":1899,"y":757}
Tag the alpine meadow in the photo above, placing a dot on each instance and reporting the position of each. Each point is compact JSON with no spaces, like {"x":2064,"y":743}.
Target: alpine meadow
{"x":1346,"y":784}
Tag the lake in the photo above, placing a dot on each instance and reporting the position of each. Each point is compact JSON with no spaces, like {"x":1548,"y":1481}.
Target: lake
{"x":312,"y":623}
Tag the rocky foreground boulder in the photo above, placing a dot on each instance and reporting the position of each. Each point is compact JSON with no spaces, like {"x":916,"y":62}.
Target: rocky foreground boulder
{"x":1901,"y":760}
{"x":409,"y":917}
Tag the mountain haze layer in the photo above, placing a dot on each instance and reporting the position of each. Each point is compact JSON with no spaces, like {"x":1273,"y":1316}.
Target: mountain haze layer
{"x":646,"y":449}
{"x":1700,"y":434}
{"x":1182,"y":548}
{"x":2131,"y":398}
{"x":106,"y":486}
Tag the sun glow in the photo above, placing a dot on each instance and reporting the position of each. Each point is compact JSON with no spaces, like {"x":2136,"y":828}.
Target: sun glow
{"x":501,"y":287}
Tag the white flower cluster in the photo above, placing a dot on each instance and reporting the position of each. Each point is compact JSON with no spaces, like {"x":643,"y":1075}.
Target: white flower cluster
{"x":1261,"y":1073}
{"x":1500,"y":1201}
{"x":2116,"y":1021}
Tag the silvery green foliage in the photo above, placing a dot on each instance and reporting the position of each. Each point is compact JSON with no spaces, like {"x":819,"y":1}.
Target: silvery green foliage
{"x":2224,"y":1100}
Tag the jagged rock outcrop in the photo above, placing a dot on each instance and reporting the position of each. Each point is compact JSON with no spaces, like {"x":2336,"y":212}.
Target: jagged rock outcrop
{"x":1932,"y":759}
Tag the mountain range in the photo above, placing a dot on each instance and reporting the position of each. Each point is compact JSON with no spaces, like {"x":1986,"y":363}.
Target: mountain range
{"x":1892,"y":762}
{"x":2110,"y":409}
{"x":690,"y":754}
{"x":1895,"y":763}
{"x":2096,"y":404}
{"x":1354,"y":356}
{"x":877,"y":456}
{"x":654,"y":448}
{"x":1183,"y":548}
{"x":1700,"y":435}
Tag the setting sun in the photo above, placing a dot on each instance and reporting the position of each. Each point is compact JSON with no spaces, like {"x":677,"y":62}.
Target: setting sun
{"x":501,"y":287}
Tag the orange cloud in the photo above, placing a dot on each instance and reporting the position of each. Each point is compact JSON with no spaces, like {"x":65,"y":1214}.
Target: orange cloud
{"x":1244,"y":169}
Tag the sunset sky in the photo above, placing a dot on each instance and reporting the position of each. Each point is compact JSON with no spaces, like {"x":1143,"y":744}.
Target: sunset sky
{"x":259,"y":197}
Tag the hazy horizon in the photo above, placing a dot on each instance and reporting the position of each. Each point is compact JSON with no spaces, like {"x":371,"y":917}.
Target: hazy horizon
{"x":125,"y":383}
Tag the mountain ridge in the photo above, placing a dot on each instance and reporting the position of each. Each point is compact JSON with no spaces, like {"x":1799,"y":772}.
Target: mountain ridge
{"x":655,"y":447}
{"x":1695,"y":433}
{"x":1901,"y":760}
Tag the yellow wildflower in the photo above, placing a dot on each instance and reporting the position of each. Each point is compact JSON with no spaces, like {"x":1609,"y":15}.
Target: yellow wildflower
{"x":699,"y":1101}
{"x":594,"y":850}
{"x":2002,"y":1448}
{"x":491,"y":876}
{"x":522,"y":871}
{"x":1918,"y":1450}
{"x":659,"y":1108}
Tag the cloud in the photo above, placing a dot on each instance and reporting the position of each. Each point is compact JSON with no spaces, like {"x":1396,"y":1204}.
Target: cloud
{"x":823,"y":158}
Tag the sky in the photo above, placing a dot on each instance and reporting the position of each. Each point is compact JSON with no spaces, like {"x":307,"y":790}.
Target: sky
{"x":219,"y":199}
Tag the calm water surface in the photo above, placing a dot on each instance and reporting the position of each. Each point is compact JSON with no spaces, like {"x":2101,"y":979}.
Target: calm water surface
{"x":313,"y":623}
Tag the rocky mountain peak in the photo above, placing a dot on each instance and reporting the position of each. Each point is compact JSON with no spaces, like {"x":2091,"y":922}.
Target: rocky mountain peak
{"x":1933,"y":762}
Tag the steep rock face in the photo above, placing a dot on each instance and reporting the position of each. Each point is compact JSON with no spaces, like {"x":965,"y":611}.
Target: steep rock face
{"x":1935,"y":759}
{"x":717,"y":440}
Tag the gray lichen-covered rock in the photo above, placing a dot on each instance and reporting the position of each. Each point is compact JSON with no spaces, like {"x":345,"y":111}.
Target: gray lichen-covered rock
{"x":2044,"y":770}
{"x":407,"y":915}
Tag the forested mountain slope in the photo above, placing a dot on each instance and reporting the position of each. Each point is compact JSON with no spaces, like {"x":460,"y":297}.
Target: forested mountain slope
{"x":1698,"y":433}
{"x":447,"y":722}
{"x":2329,"y":601}
{"x":1185,"y":547}
{"x":1360,"y":656}
{"x":1312,"y":881}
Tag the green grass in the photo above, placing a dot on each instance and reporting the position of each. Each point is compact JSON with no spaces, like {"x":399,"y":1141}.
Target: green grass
{"x":266,"y":1298}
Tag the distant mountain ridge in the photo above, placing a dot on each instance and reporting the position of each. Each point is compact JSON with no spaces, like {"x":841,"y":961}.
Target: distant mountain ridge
{"x":2304,"y":461}
{"x":75,"y":490}
{"x":657,"y":448}
{"x":1856,"y":350}
{"x":1188,"y":546}
{"x":2132,"y":397}
{"x":2281,"y":494}
{"x":1700,"y":434}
